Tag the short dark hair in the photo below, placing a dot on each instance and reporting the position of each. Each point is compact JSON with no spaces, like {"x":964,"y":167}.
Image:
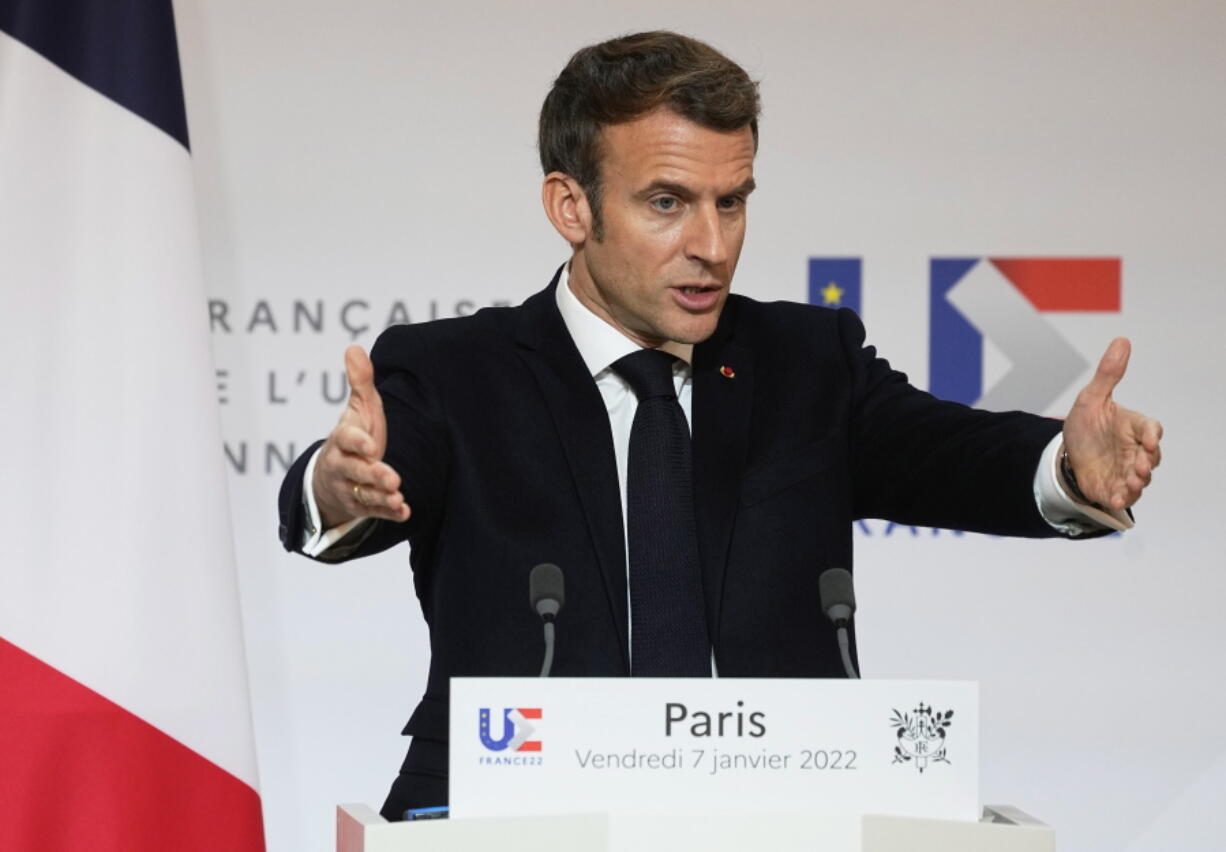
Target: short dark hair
{"x":621,"y":79}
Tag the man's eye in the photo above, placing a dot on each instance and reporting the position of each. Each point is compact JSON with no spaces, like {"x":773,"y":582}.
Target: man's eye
{"x":730,"y":203}
{"x":665,"y":203}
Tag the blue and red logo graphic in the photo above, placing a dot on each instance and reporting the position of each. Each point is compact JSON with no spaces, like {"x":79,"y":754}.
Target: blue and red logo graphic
{"x":1005,"y":300}
{"x":517,"y":730}
{"x":1002,"y":301}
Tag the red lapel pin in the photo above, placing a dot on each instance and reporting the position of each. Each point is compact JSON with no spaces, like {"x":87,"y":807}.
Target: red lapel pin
{"x":727,"y":372}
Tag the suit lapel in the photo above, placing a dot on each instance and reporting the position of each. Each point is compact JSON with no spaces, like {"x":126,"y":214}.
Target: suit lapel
{"x":722,"y":406}
{"x":582,"y":425}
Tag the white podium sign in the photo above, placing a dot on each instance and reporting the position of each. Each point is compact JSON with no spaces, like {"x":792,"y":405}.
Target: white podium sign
{"x":527,"y":746}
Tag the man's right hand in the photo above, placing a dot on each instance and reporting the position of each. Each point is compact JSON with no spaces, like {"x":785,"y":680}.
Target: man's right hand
{"x":351,"y":480}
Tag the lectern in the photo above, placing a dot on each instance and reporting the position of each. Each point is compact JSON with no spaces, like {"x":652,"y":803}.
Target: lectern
{"x":712,"y":763}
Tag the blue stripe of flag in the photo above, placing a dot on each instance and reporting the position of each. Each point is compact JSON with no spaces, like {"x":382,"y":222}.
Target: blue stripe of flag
{"x":123,"y":49}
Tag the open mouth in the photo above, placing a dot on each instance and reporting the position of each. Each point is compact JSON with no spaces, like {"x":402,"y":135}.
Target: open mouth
{"x":697,"y":297}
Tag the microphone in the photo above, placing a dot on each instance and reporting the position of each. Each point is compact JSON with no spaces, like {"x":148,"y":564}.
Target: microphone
{"x":546,"y":594}
{"x":839,"y":603}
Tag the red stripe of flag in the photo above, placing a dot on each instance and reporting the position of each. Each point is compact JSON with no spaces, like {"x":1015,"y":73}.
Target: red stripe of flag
{"x":78,"y":771}
{"x":1065,"y":283}
{"x":530,"y":712}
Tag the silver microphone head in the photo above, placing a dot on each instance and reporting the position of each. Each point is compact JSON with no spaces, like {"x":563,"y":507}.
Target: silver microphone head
{"x":837,"y":593}
{"x":546,"y":590}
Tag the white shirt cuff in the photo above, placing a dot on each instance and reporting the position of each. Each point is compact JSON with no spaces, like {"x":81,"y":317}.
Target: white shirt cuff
{"x":315,"y":540}
{"x":1062,"y":511}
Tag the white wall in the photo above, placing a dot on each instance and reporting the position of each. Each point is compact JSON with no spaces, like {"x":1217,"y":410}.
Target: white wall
{"x":384,"y":151}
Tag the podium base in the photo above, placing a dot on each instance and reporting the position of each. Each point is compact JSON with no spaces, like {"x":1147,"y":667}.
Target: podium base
{"x":1003,"y":829}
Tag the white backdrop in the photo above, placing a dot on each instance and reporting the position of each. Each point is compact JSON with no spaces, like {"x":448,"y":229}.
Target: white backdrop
{"x":375,"y":159}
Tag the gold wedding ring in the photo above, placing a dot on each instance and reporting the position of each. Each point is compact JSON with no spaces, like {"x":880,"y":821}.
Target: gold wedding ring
{"x":357,"y":495}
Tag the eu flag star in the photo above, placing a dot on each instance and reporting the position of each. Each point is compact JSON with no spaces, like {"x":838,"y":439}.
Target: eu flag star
{"x":834,"y":282}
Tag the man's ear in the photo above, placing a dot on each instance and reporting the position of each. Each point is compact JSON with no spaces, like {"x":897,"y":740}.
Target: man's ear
{"x":567,"y":208}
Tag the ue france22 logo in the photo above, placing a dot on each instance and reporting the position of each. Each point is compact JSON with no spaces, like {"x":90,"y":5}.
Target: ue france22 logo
{"x":1004,"y":300}
{"x":517,"y":730}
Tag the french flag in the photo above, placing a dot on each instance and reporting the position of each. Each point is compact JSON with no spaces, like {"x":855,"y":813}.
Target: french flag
{"x":125,"y":721}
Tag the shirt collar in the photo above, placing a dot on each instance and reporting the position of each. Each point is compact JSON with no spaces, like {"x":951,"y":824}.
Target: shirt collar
{"x":599,"y":343}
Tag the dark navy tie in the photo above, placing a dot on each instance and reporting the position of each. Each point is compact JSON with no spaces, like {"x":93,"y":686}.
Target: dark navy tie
{"x":668,"y":625}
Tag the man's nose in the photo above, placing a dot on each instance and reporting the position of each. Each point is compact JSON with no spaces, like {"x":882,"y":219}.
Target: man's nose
{"x":705,"y":240}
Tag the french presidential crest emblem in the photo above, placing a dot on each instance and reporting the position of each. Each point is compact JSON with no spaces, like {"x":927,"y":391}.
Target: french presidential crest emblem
{"x":921,"y":736}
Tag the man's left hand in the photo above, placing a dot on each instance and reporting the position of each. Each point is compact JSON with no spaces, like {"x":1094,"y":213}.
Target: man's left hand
{"x":1113,"y":451}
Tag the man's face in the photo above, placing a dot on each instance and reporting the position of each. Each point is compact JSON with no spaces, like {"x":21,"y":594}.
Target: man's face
{"x":674,"y":196}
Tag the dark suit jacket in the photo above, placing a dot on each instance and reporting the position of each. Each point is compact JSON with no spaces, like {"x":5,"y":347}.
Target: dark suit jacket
{"x":505,"y":451}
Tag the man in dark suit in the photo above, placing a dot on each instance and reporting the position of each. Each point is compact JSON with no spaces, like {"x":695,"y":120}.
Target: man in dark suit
{"x":511,"y":434}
